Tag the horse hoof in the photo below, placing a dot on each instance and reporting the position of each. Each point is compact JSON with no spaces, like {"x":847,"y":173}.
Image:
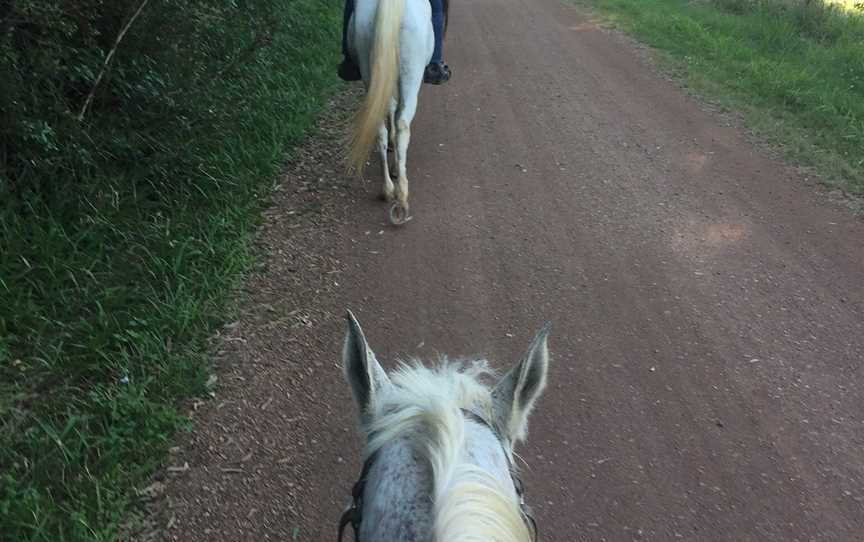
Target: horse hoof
{"x":398,"y":213}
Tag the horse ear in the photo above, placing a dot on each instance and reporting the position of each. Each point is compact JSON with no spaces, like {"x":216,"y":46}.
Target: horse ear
{"x":514,"y":396}
{"x":362,"y":371}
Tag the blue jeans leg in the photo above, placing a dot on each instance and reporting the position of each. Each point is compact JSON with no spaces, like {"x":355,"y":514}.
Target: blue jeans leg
{"x":346,"y":17}
{"x":438,"y":27}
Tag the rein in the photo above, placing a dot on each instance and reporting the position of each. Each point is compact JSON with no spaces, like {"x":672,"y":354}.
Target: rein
{"x":353,"y":515}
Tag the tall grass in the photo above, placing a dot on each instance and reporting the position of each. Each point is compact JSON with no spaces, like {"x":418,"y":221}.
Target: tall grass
{"x":795,"y":67}
{"x":114,"y":269}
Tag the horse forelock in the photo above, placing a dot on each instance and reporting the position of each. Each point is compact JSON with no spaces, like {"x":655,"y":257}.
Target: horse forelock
{"x":424,"y":405}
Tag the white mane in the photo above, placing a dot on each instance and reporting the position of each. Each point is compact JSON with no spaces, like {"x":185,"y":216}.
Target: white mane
{"x":469,"y":503}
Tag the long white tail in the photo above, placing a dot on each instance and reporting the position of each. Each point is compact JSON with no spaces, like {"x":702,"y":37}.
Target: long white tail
{"x":384,"y":62}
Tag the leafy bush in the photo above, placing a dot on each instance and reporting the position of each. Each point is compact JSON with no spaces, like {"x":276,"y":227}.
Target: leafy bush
{"x":157,"y":84}
{"x":818,"y":19}
{"x":123,"y":229}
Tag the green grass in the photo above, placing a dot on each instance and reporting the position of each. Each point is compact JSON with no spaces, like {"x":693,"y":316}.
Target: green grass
{"x":106,"y":305}
{"x":795,"y":70}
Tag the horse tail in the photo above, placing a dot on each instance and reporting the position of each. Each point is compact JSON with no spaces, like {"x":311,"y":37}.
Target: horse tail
{"x":384,"y":63}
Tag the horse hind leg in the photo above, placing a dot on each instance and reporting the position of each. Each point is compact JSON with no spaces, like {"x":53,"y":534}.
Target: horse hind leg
{"x":403,"y":136}
{"x":388,"y":192}
{"x":391,"y":130}
{"x":391,"y":126}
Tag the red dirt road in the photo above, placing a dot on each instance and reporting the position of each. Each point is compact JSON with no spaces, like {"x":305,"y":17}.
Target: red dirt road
{"x":708,"y":306}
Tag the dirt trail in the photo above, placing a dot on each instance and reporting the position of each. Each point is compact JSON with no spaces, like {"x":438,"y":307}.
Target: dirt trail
{"x":708,"y":306}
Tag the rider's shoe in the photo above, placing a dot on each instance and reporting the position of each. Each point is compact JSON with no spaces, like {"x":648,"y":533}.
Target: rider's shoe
{"x":348,"y":70}
{"x":436,"y":73}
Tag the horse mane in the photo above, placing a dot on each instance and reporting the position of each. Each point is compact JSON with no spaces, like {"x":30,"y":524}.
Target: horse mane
{"x":426,"y":403}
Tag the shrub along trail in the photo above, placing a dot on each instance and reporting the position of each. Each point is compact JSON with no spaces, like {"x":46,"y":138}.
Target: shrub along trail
{"x":126,"y":225}
{"x":707,"y":306}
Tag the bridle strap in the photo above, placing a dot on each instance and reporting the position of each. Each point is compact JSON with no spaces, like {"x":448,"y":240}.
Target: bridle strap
{"x":353,"y":515}
{"x":532,"y":523}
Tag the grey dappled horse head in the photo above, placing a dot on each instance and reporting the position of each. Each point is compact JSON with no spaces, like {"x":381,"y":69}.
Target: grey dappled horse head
{"x":438,"y":460}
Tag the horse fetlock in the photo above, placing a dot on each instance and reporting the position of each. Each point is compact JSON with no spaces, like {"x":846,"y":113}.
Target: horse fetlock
{"x":402,"y":191}
{"x":389,"y":190}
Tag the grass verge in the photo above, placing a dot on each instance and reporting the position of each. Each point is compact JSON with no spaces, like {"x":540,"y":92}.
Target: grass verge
{"x":106,"y":305}
{"x":794,"y":68}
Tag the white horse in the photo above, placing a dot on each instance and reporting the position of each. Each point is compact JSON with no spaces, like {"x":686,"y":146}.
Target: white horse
{"x":392,"y":41}
{"x":439,"y":447}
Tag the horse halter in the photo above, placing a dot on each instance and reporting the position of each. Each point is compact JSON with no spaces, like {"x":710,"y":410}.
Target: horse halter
{"x":354,"y":514}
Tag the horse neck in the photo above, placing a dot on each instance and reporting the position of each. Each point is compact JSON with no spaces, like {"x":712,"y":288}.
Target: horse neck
{"x":401,"y":488}
{"x":397,"y":504}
